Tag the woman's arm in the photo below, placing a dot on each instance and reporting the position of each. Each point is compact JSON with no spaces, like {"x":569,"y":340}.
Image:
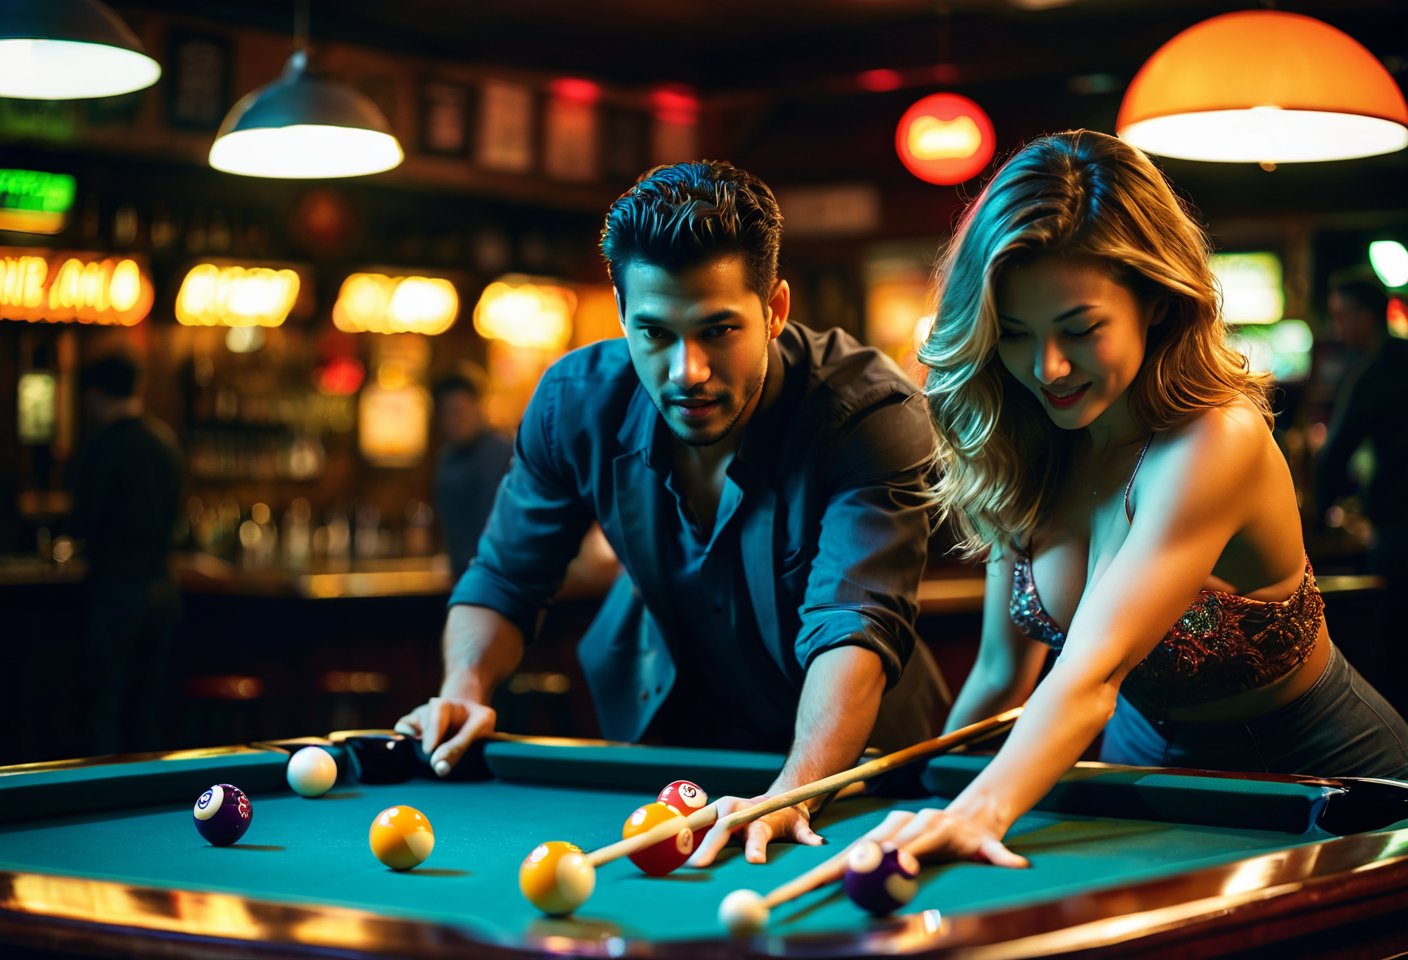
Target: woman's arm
{"x":1201,"y":485}
{"x":1008,"y":663}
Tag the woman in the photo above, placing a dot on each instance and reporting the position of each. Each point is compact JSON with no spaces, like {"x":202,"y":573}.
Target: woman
{"x":1112,"y":458}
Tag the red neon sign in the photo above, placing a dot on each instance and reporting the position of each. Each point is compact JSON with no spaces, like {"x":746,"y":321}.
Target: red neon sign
{"x":945,"y":138}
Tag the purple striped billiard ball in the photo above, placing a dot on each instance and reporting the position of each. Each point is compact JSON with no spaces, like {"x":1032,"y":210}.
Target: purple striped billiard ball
{"x":222,"y":814}
{"x":881,"y":878}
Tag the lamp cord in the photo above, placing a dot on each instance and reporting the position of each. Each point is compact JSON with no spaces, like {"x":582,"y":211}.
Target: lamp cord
{"x":300,"y":24}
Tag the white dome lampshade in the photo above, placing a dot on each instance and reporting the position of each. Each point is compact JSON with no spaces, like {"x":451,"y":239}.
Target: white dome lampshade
{"x":305,"y":127}
{"x":69,"y":50}
{"x":1264,"y":86}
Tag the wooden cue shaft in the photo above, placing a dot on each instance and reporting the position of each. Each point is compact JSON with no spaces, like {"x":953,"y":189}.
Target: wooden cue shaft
{"x":828,"y":871}
{"x":706,"y":816}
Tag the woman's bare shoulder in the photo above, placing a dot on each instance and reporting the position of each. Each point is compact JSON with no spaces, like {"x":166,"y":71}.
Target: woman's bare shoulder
{"x":1238,"y":423}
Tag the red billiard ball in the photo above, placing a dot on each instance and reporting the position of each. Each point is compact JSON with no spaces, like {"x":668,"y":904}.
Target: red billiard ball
{"x":663,"y":856}
{"x":222,"y":814}
{"x":685,"y":797}
{"x":880,"y":878}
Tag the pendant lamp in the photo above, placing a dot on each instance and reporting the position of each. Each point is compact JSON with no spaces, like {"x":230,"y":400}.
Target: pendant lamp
{"x":1263,"y":86}
{"x":69,"y":50}
{"x":305,"y":127}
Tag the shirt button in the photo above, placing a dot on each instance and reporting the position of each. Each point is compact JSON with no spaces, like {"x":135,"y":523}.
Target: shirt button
{"x":645,"y":695}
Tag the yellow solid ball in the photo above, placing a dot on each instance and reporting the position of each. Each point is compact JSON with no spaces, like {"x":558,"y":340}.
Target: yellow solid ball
{"x":401,"y":837}
{"x":556,"y":878}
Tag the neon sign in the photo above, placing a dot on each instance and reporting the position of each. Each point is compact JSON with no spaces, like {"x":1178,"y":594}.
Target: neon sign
{"x":234,"y":296}
{"x":376,"y":303}
{"x":74,"y":288}
{"x":945,"y":139}
{"x":32,"y":201}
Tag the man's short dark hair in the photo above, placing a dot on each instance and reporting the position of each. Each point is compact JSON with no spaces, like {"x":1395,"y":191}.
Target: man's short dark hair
{"x":114,"y":374}
{"x":1364,"y":292}
{"x":465,"y":376}
{"x":683,"y":214}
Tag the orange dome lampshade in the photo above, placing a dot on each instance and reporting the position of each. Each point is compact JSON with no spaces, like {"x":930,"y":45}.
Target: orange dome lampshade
{"x":1263,"y":86}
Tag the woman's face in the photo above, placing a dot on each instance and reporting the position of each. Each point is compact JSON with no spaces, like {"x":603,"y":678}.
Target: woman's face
{"x":1071,"y":335}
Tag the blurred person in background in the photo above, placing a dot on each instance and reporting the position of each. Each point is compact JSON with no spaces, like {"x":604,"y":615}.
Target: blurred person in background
{"x":126,"y":494}
{"x":472,"y":462}
{"x":1372,"y":405}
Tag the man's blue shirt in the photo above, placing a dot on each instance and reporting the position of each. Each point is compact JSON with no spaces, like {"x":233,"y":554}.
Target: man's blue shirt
{"x":829,"y":532}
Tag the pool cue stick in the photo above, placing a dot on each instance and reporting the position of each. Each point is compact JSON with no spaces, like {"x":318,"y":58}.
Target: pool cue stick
{"x":706,"y":816}
{"x":824,"y":873}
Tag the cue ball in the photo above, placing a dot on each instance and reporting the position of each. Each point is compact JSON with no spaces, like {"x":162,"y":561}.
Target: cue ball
{"x":881,"y":878}
{"x":222,"y":814}
{"x":311,"y":772}
{"x":665,"y":855}
{"x":401,"y":837}
{"x":556,"y":877}
{"x":743,"y":912}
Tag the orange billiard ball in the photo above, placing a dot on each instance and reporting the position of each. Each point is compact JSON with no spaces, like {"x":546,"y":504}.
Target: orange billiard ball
{"x":557,"y":877}
{"x":665,"y":855}
{"x":401,"y":837}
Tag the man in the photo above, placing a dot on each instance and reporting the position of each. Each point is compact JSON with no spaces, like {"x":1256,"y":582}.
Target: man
{"x":765,"y":487}
{"x":1373,"y":406}
{"x":472,"y":462}
{"x":126,"y":495}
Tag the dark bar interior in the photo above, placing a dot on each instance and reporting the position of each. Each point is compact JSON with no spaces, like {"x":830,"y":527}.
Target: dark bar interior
{"x":311,"y":563}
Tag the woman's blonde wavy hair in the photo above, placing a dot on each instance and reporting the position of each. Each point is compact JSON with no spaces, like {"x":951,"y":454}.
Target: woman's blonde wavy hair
{"x":1077,"y":193}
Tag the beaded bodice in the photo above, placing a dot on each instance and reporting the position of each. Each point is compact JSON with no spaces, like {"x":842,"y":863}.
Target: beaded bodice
{"x":1222,"y":645}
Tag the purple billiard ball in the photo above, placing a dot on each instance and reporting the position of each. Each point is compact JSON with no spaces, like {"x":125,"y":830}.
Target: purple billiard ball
{"x":881,"y":878}
{"x":223,"y":814}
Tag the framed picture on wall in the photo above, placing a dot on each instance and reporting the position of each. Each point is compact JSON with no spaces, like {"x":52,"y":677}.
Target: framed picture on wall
{"x":444,"y":118}
{"x":505,"y":137}
{"x":198,"y":80}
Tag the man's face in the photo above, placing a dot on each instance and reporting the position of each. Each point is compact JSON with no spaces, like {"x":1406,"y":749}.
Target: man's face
{"x":1356,"y":324}
{"x":699,"y":342}
{"x":461,"y":416}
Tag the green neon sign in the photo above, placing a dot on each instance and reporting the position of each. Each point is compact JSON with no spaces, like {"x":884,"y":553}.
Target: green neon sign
{"x":36,"y":191}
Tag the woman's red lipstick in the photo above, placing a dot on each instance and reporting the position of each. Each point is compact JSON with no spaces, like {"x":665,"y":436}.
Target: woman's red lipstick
{"x":1063,"y":401}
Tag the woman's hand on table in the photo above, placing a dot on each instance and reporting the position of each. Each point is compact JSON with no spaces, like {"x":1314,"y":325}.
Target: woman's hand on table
{"x":446,"y":727}
{"x":933,"y":834}
{"x":791,"y":823}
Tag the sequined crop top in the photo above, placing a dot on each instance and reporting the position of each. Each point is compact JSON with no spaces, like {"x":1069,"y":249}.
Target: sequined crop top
{"x":1222,"y":645}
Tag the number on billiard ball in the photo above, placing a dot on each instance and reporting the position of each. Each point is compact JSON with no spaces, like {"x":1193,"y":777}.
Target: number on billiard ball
{"x":880,"y":878}
{"x":222,"y":814}
{"x":685,"y":797}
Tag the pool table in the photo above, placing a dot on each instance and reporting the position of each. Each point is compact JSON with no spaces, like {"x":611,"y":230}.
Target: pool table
{"x":100,"y":857}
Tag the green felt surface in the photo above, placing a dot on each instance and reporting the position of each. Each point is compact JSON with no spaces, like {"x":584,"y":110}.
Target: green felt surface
{"x":315,"y":851}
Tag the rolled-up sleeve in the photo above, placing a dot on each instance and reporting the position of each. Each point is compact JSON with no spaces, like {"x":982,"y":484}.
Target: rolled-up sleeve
{"x":862,"y":586}
{"x":536,"y":526}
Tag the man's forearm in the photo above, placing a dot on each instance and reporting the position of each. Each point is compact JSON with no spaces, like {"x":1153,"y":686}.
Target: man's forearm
{"x":840,"y":700}
{"x":482,"y":648}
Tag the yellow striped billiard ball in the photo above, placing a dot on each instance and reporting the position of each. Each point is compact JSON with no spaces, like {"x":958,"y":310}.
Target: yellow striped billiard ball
{"x":557,"y":877}
{"x":401,"y":837}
